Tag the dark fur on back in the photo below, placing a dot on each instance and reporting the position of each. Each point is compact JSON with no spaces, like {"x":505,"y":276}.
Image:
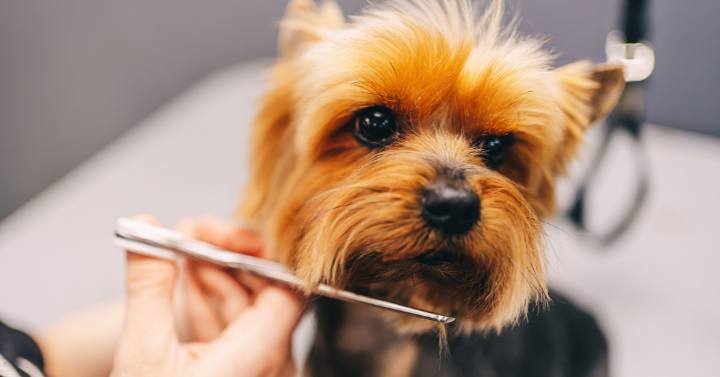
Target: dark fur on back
{"x":562,"y":341}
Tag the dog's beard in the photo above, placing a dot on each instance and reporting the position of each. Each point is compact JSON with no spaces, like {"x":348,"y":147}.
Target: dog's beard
{"x":440,"y":280}
{"x":368,"y":236}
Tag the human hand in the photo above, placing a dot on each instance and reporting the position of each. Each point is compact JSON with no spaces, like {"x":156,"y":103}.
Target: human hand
{"x":237,"y":331}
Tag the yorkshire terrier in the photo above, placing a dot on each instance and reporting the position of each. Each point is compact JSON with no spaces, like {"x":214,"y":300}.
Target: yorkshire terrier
{"x":410,"y":154}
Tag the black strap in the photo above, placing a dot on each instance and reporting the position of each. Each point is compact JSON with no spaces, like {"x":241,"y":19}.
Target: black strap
{"x":620,"y":121}
{"x":635,"y":20}
{"x":628,"y":117}
{"x":17,"y":349}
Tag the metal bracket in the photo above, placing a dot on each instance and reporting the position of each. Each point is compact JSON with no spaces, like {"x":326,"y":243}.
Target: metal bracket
{"x":638,"y":59}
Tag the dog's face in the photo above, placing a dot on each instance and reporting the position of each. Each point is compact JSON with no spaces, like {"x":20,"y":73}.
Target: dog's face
{"x":411,"y":153}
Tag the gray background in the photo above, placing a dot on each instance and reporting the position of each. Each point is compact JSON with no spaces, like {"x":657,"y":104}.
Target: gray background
{"x":75,"y":74}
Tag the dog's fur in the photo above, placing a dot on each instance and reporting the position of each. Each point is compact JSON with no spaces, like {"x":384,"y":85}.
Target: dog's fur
{"x":338,"y":212}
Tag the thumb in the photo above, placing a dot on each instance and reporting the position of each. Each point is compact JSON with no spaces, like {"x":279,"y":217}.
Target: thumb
{"x":150,"y":283}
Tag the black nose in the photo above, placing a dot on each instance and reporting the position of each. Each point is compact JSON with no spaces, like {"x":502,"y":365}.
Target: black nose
{"x":451,"y":209}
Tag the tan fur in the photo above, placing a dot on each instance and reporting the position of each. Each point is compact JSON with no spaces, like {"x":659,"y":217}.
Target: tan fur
{"x":399,"y":360}
{"x":337,"y":212}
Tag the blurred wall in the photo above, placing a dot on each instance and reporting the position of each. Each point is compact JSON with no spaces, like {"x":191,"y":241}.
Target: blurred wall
{"x":75,"y":74}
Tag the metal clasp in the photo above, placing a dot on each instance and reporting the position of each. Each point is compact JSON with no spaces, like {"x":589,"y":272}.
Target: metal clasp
{"x":638,"y":59}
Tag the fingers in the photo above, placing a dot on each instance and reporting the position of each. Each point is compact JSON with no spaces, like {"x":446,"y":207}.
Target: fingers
{"x":213,"y":297}
{"x":225,"y":235}
{"x":273,"y":306}
{"x":231,"y":297}
{"x":283,"y":305}
{"x":203,"y":321}
{"x":269,"y":319}
{"x":150,"y":283}
{"x":272,"y":318}
{"x":261,"y":335}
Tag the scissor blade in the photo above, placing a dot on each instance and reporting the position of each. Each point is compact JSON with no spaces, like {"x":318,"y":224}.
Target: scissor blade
{"x":165,"y":243}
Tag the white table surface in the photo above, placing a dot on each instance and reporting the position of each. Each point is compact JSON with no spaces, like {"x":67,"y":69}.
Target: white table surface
{"x":655,"y":292}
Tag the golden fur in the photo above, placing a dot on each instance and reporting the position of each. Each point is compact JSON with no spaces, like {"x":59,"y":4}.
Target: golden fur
{"x":338,"y":212}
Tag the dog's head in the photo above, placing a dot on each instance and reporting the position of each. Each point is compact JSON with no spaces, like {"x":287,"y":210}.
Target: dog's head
{"x":411,"y":153}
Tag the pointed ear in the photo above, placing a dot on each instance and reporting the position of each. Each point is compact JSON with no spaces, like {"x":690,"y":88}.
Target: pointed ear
{"x":305,"y":22}
{"x":590,"y":92}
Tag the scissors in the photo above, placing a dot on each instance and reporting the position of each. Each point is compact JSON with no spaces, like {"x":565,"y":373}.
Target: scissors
{"x":155,"y":241}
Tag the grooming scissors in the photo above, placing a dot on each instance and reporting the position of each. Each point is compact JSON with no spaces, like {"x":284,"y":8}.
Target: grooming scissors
{"x":151,"y":240}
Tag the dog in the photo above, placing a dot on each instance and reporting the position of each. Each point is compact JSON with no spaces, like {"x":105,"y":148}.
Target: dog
{"x":411,"y":153}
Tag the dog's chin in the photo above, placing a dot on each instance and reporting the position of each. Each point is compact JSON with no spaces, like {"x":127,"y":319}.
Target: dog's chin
{"x":440,"y":281}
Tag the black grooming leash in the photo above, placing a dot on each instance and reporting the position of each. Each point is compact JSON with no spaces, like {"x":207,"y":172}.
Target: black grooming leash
{"x":631,"y":48}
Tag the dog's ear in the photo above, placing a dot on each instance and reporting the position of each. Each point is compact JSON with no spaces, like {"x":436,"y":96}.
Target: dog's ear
{"x":590,"y":92}
{"x":305,"y":22}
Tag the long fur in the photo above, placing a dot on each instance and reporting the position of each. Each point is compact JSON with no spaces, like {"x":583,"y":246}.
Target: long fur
{"x":337,"y":212}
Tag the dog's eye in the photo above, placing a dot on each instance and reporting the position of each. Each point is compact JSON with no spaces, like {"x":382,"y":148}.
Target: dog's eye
{"x":375,"y":126}
{"x":495,"y":148}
